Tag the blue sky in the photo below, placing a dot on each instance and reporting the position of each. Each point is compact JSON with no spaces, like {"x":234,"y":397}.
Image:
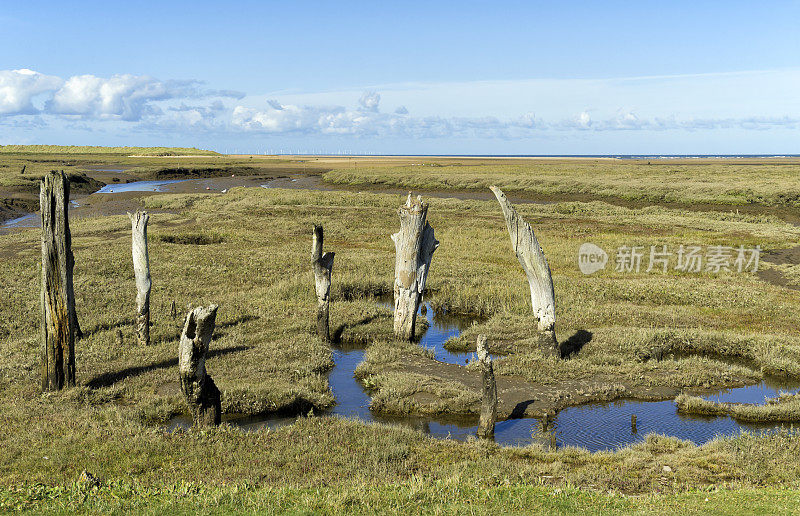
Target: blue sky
{"x":405,"y":77}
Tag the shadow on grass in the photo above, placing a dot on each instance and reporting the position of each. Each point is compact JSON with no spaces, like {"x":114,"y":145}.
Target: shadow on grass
{"x":110,"y":378}
{"x":336,"y":337}
{"x":108,"y":326}
{"x":575,"y":343}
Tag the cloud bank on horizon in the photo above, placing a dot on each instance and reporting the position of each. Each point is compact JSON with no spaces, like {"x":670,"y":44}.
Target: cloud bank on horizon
{"x":511,"y":110}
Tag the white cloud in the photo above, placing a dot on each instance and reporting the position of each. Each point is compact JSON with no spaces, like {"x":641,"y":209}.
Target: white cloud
{"x":339,"y":120}
{"x":490,"y":110}
{"x":119,"y":97}
{"x":369,"y":101}
{"x":123,"y":97}
{"x":19,"y":87}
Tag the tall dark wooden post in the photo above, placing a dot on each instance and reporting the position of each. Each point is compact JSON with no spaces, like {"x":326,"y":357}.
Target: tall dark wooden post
{"x":59,"y":322}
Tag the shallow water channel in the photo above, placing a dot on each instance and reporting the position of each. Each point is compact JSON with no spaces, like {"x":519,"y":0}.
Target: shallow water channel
{"x":594,"y":426}
{"x":139,"y":186}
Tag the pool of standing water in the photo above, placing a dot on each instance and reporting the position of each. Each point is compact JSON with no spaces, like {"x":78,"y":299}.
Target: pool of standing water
{"x":594,"y":426}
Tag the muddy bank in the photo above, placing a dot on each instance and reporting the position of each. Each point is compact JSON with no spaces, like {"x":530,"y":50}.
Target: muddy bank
{"x":21,"y":200}
{"x":518,"y":398}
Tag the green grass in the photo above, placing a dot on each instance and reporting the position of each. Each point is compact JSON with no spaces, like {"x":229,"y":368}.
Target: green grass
{"x":784,"y":408}
{"x":414,"y":497}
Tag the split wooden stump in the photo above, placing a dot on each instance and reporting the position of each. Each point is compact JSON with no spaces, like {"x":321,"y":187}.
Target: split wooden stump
{"x":414,"y":247}
{"x":197,"y":386}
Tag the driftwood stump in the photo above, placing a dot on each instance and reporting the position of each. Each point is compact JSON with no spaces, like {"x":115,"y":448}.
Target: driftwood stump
{"x":198,"y":387}
{"x":322,"y":265}
{"x":489,"y":399}
{"x":59,"y":322}
{"x":141,"y":269}
{"x":533,"y":261}
{"x":414,"y":246}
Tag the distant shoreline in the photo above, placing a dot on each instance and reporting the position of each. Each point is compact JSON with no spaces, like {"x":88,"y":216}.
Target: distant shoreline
{"x":525,"y":156}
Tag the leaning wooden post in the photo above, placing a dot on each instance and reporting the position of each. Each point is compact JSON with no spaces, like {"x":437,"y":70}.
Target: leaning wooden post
{"x":489,"y":403}
{"x":533,"y":261}
{"x":322,"y":265}
{"x":141,"y":269}
{"x":414,"y":246}
{"x":198,"y":387}
{"x":57,"y":297}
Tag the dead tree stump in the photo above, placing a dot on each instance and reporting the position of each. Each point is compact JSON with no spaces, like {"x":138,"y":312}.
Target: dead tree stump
{"x":533,"y":261}
{"x":322,"y":265}
{"x":489,"y":400}
{"x":57,"y":297}
{"x":198,"y":387}
{"x":414,"y":246}
{"x":141,"y":269}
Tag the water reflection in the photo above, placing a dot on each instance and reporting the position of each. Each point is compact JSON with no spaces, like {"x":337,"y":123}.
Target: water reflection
{"x":138,"y":186}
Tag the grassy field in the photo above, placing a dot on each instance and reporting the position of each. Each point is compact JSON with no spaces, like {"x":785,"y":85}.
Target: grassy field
{"x":769,"y":183}
{"x":249,"y":251}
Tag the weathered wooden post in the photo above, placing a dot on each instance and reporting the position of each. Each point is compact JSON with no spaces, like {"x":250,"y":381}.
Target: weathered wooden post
{"x":414,"y":246}
{"x":489,"y":403}
{"x":198,"y":387}
{"x":57,"y":297}
{"x":141,"y":269}
{"x":322,"y":265}
{"x":533,"y":261}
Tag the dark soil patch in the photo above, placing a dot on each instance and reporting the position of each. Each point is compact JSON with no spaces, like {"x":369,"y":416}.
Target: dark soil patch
{"x":780,"y":257}
{"x":81,"y":183}
{"x":351,"y":291}
{"x":192,"y":239}
{"x":201,"y":172}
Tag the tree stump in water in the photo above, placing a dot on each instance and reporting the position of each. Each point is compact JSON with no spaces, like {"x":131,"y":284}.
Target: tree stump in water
{"x":533,"y":261}
{"x":141,"y":269}
{"x":322,"y":265}
{"x":197,"y":386}
{"x":414,"y":246}
{"x":59,"y":322}
{"x":489,"y":398}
